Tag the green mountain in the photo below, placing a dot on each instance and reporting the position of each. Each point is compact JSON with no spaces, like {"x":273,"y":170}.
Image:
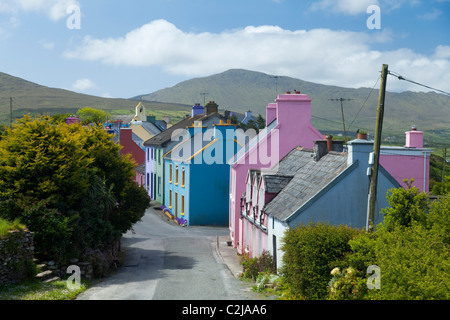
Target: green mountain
{"x":29,"y":97}
{"x":241,"y":90}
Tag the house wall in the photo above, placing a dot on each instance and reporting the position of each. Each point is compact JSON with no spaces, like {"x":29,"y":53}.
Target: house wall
{"x":176,"y":191}
{"x":209,"y":189}
{"x":343,"y":201}
{"x":130,"y":147}
{"x":406,"y":164}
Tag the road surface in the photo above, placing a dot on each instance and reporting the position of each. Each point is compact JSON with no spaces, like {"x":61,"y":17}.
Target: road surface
{"x":167,"y":262}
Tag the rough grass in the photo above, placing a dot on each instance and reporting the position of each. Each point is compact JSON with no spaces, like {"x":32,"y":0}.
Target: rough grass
{"x":6,"y":226}
{"x":38,"y":290}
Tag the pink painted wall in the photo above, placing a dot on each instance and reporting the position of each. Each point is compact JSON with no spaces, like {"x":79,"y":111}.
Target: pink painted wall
{"x":407,"y":167}
{"x":294,"y":128}
{"x":412,"y":161}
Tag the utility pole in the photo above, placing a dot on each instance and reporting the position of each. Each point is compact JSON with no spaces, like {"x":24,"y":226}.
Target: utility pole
{"x":376,"y":152}
{"x":10,"y":112}
{"x":204,"y":97}
{"x":276,"y":83}
{"x":342,"y":111}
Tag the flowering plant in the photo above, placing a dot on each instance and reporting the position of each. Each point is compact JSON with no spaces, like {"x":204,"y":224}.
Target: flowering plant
{"x":348,"y":284}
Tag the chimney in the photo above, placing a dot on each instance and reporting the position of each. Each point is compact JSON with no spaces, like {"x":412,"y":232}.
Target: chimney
{"x":151,"y":119}
{"x":320,"y":149}
{"x":329,"y":139}
{"x":72,"y":119}
{"x":271,"y":113}
{"x":414,"y":138}
{"x":166,"y":119}
{"x":197,"y":109}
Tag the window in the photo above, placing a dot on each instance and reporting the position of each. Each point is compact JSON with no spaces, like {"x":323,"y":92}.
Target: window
{"x":170,"y":173}
{"x":182,"y":205}
{"x":176,"y":204}
{"x":176,"y":175}
{"x":182,"y":177}
{"x":159,"y":186}
{"x":170,"y":199}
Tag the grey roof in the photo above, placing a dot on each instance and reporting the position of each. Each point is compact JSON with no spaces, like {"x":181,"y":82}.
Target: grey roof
{"x":166,"y":135}
{"x":275,"y":183}
{"x":193,"y":145}
{"x":151,"y":128}
{"x":309,"y":177}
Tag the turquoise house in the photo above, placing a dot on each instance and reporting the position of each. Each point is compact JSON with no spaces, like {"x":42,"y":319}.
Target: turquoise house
{"x":160,"y":144}
{"x":197,"y":175}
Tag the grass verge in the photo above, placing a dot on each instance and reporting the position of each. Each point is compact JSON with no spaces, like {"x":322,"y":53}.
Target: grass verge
{"x":38,"y":290}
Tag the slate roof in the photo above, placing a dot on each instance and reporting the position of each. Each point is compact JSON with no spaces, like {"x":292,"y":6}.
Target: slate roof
{"x":193,"y":146}
{"x":276,"y":183}
{"x":166,"y":135}
{"x":308,"y":178}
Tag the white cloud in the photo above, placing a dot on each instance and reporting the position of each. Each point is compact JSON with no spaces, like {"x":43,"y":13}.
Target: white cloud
{"x":350,"y":7}
{"x":432,"y":15}
{"x":54,"y":9}
{"x":325,"y":56}
{"x":83,"y":85}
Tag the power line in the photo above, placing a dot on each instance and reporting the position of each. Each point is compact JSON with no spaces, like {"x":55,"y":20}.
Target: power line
{"x":400,"y":77}
{"x":363,"y":105}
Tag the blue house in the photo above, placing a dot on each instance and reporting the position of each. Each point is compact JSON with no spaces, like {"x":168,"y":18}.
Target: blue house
{"x":197,"y":175}
{"x":160,"y":144}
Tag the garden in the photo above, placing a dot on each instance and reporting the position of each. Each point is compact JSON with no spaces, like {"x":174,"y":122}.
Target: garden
{"x":405,"y":258}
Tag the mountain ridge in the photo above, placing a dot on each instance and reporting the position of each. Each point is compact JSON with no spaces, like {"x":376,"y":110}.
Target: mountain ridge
{"x":242,"y":90}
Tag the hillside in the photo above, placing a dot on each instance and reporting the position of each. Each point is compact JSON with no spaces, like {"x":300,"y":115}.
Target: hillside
{"x":29,"y":97}
{"x":241,"y":90}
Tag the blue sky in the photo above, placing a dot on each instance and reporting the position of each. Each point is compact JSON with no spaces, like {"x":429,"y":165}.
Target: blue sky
{"x":127,"y":48}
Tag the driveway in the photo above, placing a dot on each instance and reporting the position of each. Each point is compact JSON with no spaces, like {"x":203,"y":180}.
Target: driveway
{"x":166,"y":262}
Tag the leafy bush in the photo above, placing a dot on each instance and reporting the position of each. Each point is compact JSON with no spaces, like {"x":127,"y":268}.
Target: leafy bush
{"x":253,"y":266}
{"x":310,"y":251}
{"x":348,"y":284}
{"x":68,"y":184}
{"x":405,"y":206}
{"x":266,"y":279}
{"x":413,"y":260}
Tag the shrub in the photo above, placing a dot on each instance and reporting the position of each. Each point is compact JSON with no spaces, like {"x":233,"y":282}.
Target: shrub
{"x":405,"y":206}
{"x":348,"y":284}
{"x":414,"y":264}
{"x":310,"y":251}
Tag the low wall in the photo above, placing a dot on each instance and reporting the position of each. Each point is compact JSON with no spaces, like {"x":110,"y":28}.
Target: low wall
{"x":16,"y":257}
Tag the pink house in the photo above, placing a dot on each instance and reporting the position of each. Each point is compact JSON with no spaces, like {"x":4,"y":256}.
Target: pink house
{"x":288,"y":124}
{"x":410,"y":161}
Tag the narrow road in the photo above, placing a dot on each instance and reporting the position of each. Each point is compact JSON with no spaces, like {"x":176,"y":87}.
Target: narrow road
{"x":167,"y":262}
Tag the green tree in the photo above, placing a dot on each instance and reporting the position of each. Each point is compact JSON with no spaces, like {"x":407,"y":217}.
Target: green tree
{"x":405,"y":206}
{"x":90,"y":115}
{"x":41,"y":161}
{"x":68,"y":182}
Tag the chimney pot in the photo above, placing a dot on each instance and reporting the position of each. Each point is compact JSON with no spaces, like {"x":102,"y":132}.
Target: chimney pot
{"x":329,"y":139}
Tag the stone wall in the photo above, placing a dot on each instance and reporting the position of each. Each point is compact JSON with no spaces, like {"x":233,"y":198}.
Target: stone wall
{"x":16,"y":257}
